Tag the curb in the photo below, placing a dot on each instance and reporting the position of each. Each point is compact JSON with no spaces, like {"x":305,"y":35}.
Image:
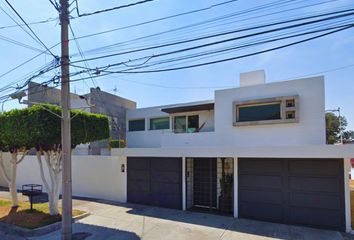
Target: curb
{"x":25,"y":232}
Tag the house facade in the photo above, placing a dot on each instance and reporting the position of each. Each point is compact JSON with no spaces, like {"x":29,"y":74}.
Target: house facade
{"x":96,"y":101}
{"x":257,"y":151}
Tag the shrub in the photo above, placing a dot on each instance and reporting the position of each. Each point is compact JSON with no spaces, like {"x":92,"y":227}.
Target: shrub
{"x":117,"y":144}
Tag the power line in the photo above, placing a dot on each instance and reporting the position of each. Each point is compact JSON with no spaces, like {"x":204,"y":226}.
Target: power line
{"x":27,"y":61}
{"x":30,"y":23}
{"x":13,"y":9}
{"x":261,"y":7}
{"x":13,"y":41}
{"x":227,"y":33}
{"x":109,"y":9}
{"x":55,"y":5}
{"x":227,"y":59}
{"x":159,"y":19}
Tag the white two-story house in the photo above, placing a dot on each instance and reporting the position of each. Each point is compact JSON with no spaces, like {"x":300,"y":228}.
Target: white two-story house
{"x":256,"y":151}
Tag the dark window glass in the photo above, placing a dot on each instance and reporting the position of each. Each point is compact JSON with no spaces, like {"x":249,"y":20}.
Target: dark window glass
{"x":180,"y":124}
{"x":259,"y":112}
{"x":193,"y":123}
{"x":136,"y":125}
{"x":159,"y":123}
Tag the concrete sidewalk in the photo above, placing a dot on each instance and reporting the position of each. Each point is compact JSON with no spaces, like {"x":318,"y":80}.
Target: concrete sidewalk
{"x":130,"y":221}
{"x":110,"y":221}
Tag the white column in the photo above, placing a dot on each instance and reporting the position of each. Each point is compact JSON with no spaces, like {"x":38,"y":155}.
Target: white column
{"x":184,"y":183}
{"x":235,"y":187}
{"x":348,"y":220}
{"x":123,"y":160}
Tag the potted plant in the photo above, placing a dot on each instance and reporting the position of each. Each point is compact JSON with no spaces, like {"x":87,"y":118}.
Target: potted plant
{"x":226,"y":185}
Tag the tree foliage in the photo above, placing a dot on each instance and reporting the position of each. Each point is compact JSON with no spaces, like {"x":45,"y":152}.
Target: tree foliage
{"x":38,"y":127}
{"x":334,"y":128}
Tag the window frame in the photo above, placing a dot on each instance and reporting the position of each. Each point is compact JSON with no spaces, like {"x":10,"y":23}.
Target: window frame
{"x":152,"y":118}
{"x":136,"y":119}
{"x":186,"y":116}
{"x":267,"y":101}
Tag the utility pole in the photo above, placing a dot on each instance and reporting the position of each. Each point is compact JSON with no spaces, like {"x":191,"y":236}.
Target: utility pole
{"x":65,"y":124}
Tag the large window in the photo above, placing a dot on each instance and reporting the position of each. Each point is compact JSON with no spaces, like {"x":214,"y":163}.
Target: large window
{"x":183,"y":124}
{"x":136,"y":125}
{"x":266,"y":111}
{"x":261,"y":112}
{"x":159,"y":123}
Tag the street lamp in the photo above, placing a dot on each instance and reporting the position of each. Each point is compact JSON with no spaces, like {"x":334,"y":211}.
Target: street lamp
{"x":340,"y":122}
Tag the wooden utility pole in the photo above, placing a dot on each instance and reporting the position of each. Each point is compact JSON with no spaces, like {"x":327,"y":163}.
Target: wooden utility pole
{"x":65,"y":124}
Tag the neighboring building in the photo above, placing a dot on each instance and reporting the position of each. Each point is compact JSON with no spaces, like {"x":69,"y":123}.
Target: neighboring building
{"x":257,"y":151}
{"x":96,"y":101}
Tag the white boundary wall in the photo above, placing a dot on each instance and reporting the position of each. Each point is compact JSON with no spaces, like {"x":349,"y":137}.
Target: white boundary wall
{"x":92,"y":176}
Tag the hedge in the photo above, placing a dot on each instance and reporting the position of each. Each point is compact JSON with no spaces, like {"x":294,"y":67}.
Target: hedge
{"x":37,"y":127}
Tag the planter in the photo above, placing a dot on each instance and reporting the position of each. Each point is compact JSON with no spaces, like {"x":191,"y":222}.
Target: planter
{"x":25,"y":232}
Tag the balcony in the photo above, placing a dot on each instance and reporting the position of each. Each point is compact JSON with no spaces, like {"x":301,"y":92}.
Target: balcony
{"x":198,"y":139}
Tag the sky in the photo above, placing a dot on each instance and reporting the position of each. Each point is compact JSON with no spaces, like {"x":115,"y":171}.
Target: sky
{"x":330,"y":56}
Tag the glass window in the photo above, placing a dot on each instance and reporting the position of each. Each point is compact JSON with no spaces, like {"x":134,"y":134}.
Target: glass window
{"x":159,"y":123}
{"x":262,"y":112}
{"x":136,"y":125}
{"x":193,"y":123}
{"x":180,"y":124}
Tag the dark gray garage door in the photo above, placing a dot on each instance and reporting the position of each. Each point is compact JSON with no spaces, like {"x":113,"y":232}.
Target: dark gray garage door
{"x":155,"y":181}
{"x":307,"y":192}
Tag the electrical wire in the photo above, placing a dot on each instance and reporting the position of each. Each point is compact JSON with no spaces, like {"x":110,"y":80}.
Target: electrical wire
{"x":229,"y":59}
{"x":227,"y":33}
{"x":35,"y":35}
{"x":109,"y":9}
{"x":13,"y":41}
{"x":247,"y":11}
{"x":159,"y":19}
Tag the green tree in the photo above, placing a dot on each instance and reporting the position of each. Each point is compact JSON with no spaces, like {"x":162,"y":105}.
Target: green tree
{"x":15,"y":138}
{"x":334,"y":128}
{"x":39,"y":127}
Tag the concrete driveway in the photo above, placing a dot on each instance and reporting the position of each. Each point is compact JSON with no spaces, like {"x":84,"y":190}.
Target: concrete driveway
{"x":132,"y":222}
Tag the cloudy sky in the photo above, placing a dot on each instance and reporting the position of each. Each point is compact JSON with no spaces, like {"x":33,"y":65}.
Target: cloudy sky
{"x":331,"y":56}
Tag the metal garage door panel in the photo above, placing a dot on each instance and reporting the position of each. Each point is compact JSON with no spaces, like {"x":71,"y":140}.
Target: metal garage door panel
{"x":167,"y":176}
{"x":314,"y":167}
{"x":260,"y":196}
{"x":312,"y":192}
{"x":166,"y":164}
{"x":260,"y":182}
{"x":261,"y":211}
{"x":316,"y":217}
{"x":264,"y":166}
{"x":155,"y":181}
{"x":314,"y":184}
{"x":314,"y":200}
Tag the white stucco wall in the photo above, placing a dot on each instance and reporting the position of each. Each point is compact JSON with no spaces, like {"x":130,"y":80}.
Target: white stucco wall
{"x":309,"y":130}
{"x":166,"y":138}
{"x":220,"y":130}
{"x":92,"y":176}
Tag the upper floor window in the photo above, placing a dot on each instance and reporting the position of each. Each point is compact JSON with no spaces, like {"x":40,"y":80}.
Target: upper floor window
{"x":136,"y":125}
{"x":266,"y":111}
{"x":159,"y":123}
{"x":183,"y":124}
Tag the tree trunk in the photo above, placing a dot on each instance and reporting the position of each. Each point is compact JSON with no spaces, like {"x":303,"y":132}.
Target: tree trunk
{"x":54,"y":173}
{"x":12,"y":185}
